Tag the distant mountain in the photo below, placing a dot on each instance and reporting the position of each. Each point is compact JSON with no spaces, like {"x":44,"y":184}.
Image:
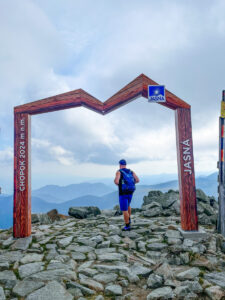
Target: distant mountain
{"x":91,"y":194}
{"x":59,"y":194}
{"x":6,"y":211}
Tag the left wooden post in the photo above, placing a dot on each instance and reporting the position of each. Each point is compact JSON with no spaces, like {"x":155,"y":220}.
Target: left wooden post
{"x":22,"y":176}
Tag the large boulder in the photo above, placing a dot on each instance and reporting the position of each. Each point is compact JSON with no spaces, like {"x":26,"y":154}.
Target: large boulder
{"x":47,"y":218}
{"x":165,"y":199}
{"x":157,"y":203}
{"x":84,"y":212}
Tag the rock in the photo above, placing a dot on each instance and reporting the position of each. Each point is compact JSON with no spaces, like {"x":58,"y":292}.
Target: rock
{"x":105,"y":250}
{"x":217,"y":278}
{"x":88,"y":272}
{"x":151,"y":205}
{"x":22,"y":243}
{"x":157,"y":246}
{"x":97,"y":239}
{"x":92,"y":284}
{"x":173,"y":234}
{"x":8,"y":278}
{"x":161,"y":293}
{"x":29,"y":258}
{"x":111,"y":257}
{"x":153,"y":212}
{"x":181,"y":291}
{"x":193,"y":286}
{"x":27,"y":286}
{"x":165,"y":271}
{"x":4,"y":266}
{"x":58,"y":274}
{"x":189,"y":274}
{"x":55,"y":216}
{"x":75,"y":292}
{"x":152,"y":196}
{"x":40,"y":218}
{"x":2,"y":294}
{"x":223,"y":247}
{"x":154,"y":281}
{"x":113,"y":290}
{"x":202,"y":262}
{"x":8,"y":242}
{"x":201,"y":196}
{"x":215,"y":292}
{"x":203,"y":219}
{"x":81,"y":249}
{"x":112,"y":268}
{"x":114,"y":239}
{"x":85,"y":265}
{"x":65,"y":242}
{"x":140,"y":270}
{"x":53,"y":290}
{"x":78,"y":256}
{"x":86,"y":242}
{"x":99,"y":297}
{"x":85,"y":290}
{"x":11,"y":256}
{"x":84,"y":212}
{"x":28,"y":269}
{"x":106,"y":278}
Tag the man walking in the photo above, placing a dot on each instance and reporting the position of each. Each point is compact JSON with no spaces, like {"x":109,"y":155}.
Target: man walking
{"x":126,"y":180}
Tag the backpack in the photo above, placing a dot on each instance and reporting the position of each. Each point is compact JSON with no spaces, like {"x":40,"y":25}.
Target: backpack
{"x":128,"y":181}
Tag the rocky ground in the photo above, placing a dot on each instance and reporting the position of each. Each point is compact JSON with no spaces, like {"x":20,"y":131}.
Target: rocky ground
{"x":92,"y":258}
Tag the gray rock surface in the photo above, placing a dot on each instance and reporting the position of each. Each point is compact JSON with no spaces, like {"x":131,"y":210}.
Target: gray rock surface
{"x":84,"y":212}
{"x":27,"y":286}
{"x":161,"y":293}
{"x":113,"y":290}
{"x":22,"y":244}
{"x":28,"y":269}
{"x":217,"y":278}
{"x":2,"y":294}
{"x":53,"y":290}
{"x":93,"y":258}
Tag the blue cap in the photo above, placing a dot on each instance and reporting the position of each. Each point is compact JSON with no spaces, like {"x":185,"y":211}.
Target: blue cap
{"x":122,"y":162}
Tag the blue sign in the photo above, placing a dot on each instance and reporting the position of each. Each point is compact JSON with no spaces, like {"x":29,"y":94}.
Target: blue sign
{"x":156,"y":93}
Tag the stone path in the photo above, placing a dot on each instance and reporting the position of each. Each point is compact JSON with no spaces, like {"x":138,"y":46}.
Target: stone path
{"x":94,"y":259}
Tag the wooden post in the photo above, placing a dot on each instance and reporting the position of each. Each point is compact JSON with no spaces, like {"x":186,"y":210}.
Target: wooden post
{"x":185,"y":158}
{"x":221,"y":187}
{"x":22,"y":186}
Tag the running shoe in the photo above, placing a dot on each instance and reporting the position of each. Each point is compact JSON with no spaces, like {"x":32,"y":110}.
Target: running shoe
{"x":126,"y":228}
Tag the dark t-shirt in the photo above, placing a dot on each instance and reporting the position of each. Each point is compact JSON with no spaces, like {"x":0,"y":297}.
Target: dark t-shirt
{"x":120,"y":183}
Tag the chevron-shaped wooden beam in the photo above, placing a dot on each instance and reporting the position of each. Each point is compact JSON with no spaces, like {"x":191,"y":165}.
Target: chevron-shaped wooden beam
{"x":136,"y":88}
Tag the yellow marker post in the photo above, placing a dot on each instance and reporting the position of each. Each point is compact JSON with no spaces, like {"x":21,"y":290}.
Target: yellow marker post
{"x":222,"y":109}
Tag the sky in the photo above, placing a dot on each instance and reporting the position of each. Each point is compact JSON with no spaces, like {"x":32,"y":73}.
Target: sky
{"x":51,"y":47}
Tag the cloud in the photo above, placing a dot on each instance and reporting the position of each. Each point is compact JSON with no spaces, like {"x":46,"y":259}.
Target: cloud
{"x":50,"y":48}
{"x":6,"y":156}
{"x":46,"y":151}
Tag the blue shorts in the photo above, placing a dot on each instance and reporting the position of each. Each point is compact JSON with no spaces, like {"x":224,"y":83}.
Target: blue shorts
{"x":125,"y":201}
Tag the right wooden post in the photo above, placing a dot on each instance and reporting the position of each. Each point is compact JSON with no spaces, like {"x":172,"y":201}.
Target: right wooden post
{"x":186,"y":174}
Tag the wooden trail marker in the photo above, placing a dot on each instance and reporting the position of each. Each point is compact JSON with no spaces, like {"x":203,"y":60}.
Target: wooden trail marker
{"x":221,"y":166}
{"x":137,"y":88}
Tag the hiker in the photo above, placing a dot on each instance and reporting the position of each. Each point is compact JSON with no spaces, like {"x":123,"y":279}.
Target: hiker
{"x":126,"y":180}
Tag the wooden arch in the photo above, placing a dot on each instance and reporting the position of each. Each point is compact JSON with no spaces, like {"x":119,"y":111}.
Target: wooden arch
{"x":137,"y":88}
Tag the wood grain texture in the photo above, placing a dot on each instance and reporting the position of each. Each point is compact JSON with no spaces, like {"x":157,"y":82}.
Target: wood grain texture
{"x":136,"y":88}
{"x":185,"y":159}
{"x":22,"y":182}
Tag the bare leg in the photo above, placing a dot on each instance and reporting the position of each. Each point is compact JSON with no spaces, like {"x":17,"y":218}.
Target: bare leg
{"x":129,"y":211}
{"x":126,"y":216}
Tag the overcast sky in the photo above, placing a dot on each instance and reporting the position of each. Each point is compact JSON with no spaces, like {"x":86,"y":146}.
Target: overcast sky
{"x":50,"y":47}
